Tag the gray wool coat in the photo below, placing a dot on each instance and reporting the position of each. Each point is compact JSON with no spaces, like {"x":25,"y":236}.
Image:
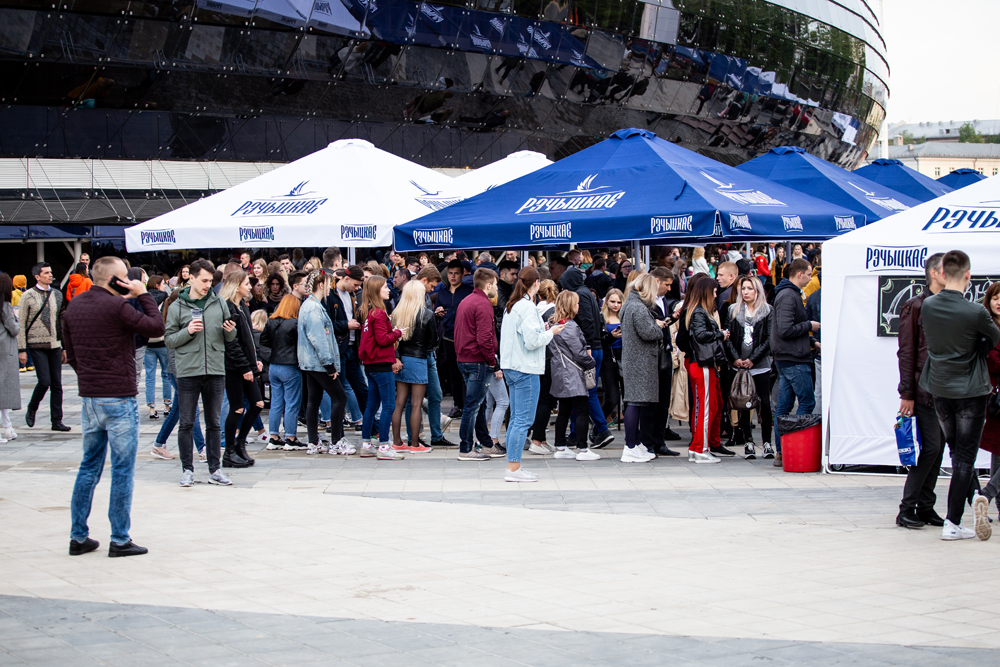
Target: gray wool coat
{"x":10,"y":379}
{"x":567,"y":349}
{"x":640,"y":351}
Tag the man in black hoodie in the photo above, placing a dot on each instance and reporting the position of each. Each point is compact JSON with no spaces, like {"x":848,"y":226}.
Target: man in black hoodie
{"x":588,"y":318}
{"x":791,"y":347}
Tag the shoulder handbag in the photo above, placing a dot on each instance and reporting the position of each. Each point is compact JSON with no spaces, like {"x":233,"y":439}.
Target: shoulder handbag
{"x":589,"y":375}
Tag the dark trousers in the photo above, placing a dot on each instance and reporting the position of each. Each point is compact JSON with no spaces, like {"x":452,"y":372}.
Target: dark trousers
{"x":210,"y":388}
{"x":661,"y":416}
{"x":544,"y":408}
{"x":611,"y":382}
{"x":962,"y":421}
{"x":48,"y":370}
{"x":726,"y":377}
{"x":579,"y":407}
{"x":474,"y":418}
{"x":449,"y":363}
{"x":639,"y":423}
{"x":316,"y":384}
{"x":918,"y":492}
{"x":236,"y":388}
{"x":743,"y":434}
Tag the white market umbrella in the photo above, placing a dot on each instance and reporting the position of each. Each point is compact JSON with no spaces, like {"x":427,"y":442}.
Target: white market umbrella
{"x":497,"y":173}
{"x":349,"y":194}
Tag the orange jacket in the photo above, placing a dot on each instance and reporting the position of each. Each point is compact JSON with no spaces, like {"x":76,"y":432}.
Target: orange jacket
{"x":77,"y":285}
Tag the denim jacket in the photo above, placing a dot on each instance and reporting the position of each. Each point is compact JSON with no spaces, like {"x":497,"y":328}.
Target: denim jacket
{"x":317,"y":349}
{"x":523,"y":339}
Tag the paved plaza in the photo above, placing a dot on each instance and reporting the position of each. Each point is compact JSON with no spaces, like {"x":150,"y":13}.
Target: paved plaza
{"x":434,"y":561}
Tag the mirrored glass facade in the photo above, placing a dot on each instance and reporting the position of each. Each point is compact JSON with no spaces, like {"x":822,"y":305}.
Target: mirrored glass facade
{"x":458,"y":83}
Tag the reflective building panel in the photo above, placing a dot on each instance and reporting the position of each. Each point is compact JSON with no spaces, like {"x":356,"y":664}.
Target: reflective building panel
{"x":459,"y":83}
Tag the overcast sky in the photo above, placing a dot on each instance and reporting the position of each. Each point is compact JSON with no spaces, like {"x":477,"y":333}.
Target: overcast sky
{"x":944,"y":60}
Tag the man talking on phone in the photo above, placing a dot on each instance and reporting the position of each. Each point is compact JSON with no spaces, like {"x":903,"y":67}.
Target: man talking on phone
{"x":98,"y":332}
{"x":198,"y":327}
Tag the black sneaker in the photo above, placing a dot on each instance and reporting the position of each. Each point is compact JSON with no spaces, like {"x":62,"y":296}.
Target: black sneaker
{"x":122,"y":550}
{"x":602,"y":440}
{"x":85,"y":547}
{"x":749,"y":453}
{"x":908,"y":519}
{"x":443,"y":442}
{"x":721,"y":450}
{"x":670,"y":435}
{"x":456,"y":413}
{"x":59,"y":426}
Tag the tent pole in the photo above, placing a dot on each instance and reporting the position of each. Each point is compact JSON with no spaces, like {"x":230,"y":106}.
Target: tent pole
{"x":352,"y":256}
{"x":524,"y":258}
{"x":647,"y":257}
{"x":635,"y":254}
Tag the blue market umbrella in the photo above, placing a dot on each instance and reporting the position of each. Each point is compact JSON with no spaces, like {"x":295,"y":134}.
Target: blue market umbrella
{"x":793,"y":167}
{"x":959,"y":178}
{"x":897,"y":176}
{"x":632,"y":186}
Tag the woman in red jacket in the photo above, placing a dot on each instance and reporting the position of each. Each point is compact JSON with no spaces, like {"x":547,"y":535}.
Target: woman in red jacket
{"x":377,"y":352}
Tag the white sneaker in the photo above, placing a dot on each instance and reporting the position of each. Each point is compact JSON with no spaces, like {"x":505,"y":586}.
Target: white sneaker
{"x":9,"y":433}
{"x":635,"y":455}
{"x":646,"y":451}
{"x":219,"y":477}
{"x":520,"y":475}
{"x":344,"y":448}
{"x":953,"y":532}
{"x":445,"y":422}
{"x":981,"y":510}
{"x":367,"y":450}
{"x":551,"y":449}
{"x":387,"y":453}
{"x":537,"y":449}
{"x":565,"y":453}
{"x":264,"y":437}
{"x":587,"y":455}
{"x":702,"y":457}
{"x":316,"y":449}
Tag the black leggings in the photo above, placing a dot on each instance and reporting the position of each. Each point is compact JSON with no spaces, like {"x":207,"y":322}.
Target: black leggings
{"x":611,"y":382}
{"x":743,"y":434}
{"x":566,"y":406}
{"x":639,"y":420}
{"x":236,"y":388}
{"x":544,"y":408}
{"x":316,"y":384}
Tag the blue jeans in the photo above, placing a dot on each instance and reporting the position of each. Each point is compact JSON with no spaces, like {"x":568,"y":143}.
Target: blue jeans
{"x":433,"y":402}
{"x":794,"y":382}
{"x":106,"y":422}
{"x":172,"y":417}
{"x":524,"y":389}
{"x":286,"y":395}
{"x":476,"y":376}
{"x":353,"y":375}
{"x":154,"y":355}
{"x":381,"y":391}
{"x":353,"y":409}
{"x":596,"y":411}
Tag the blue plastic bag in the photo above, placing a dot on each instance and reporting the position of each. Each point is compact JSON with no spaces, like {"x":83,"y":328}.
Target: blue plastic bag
{"x":907,"y":440}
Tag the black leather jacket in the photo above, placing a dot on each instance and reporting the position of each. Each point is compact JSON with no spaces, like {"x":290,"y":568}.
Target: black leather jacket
{"x":706,"y":339}
{"x":282,"y":336}
{"x":422,"y":340}
{"x":241,"y":355}
{"x":761,"y":338}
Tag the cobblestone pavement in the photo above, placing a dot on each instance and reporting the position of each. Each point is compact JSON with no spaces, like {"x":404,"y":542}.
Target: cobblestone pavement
{"x":430,"y":560}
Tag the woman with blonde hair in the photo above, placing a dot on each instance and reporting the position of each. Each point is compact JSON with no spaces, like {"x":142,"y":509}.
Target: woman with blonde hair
{"x":641,"y":337}
{"x":241,"y":366}
{"x":377,"y":352}
{"x":412,"y":316}
{"x":750,"y":345}
{"x":698,"y":262}
{"x":259,"y":270}
{"x":611,"y":339}
{"x":570,"y":358}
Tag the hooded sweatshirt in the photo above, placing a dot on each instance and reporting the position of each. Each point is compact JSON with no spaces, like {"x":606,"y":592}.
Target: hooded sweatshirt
{"x":790,"y":326}
{"x":589,"y":316}
{"x":77,"y":285}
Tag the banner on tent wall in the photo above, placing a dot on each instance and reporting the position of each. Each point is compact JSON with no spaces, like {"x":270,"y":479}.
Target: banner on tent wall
{"x":895,"y":291}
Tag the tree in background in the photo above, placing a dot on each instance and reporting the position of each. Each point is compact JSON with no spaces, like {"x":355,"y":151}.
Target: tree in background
{"x":967,"y":134}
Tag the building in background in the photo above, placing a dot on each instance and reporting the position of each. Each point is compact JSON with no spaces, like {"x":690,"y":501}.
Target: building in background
{"x":941,"y":131}
{"x":113,"y":112}
{"x":937,"y":159}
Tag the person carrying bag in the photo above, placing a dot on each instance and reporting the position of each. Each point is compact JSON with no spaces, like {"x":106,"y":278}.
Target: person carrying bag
{"x":573,"y":375}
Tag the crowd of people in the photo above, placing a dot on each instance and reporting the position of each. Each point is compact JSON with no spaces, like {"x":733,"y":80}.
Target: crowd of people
{"x":368,"y":348}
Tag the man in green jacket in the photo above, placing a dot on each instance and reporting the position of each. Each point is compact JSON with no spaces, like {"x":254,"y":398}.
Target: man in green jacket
{"x":959,"y":333}
{"x":198,"y":326}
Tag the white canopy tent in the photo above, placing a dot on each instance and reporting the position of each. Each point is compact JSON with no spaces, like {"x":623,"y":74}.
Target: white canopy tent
{"x":497,"y":173}
{"x":349,"y":194}
{"x":860,"y":371}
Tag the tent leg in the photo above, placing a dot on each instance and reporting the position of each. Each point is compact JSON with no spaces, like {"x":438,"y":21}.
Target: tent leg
{"x":524,"y":258}
{"x":636,"y":256}
{"x":352,"y":256}
{"x":40,"y":251}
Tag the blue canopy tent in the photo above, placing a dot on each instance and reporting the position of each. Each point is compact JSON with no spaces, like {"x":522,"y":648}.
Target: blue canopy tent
{"x":791,"y":166}
{"x":897,"y":176}
{"x":632,"y":186}
{"x":959,"y":178}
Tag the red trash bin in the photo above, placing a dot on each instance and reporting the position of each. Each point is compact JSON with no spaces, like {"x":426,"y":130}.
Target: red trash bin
{"x":802,"y":451}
